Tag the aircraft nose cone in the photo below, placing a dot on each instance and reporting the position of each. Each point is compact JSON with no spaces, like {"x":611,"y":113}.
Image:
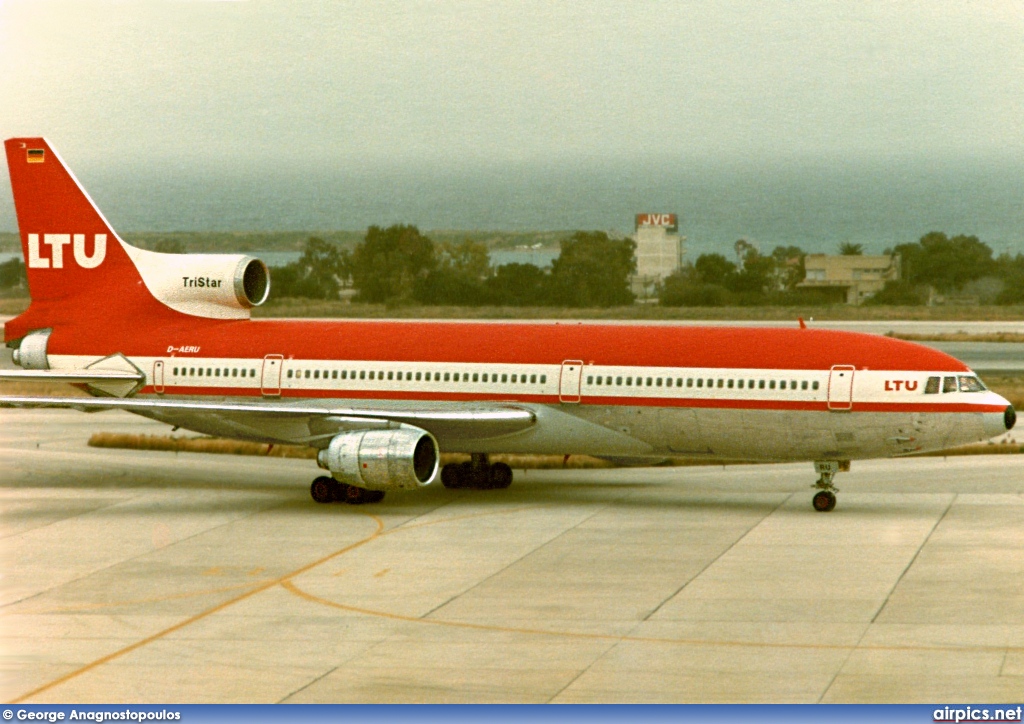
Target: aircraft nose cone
{"x":1009,"y":417}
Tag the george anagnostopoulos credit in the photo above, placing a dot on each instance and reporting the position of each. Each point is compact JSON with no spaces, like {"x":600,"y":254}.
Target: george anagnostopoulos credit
{"x":97,"y":716}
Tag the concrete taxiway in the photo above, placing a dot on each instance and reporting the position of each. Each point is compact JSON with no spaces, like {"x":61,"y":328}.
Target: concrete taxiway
{"x":154,"y":577}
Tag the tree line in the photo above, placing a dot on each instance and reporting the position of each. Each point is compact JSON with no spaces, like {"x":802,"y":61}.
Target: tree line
{"x":960,"y":265}
{"x":401,"y":265}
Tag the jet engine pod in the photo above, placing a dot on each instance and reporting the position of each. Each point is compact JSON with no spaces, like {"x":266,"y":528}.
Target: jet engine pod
{"x":219,"y":286}
{"x":402,"y":459}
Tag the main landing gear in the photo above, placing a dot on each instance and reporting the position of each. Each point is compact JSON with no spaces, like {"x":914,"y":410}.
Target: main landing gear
{"x":477,"y":474}
{"x":328,"y":490}
{"x":825,"y":499}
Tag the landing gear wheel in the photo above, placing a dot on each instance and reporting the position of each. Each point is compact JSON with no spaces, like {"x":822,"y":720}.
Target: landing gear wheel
{"x":824,"y":501}
{"x":322,"y":489}
{"x":339,"y":490}
{"x":501,"y":476}
{"x":451,"y":476}
{"x":359,"y":496}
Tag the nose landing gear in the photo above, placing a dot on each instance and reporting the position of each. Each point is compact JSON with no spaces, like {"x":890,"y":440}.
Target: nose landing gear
{"x":824,"y":500}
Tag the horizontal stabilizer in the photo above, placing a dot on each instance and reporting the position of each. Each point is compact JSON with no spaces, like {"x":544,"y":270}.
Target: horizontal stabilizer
{"x":70,"y":376}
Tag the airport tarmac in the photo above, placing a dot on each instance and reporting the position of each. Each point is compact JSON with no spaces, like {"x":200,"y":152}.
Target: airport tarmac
{"x":154,"y":577}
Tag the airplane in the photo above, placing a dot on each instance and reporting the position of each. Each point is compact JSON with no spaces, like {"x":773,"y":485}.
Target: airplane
{"x":170,"y":337}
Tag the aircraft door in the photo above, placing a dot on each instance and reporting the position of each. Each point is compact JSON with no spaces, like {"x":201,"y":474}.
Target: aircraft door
{"x":158,"y":376}
{"x":270,"y":381}
{"x":840,"y":388}
{"x":569,"y":380}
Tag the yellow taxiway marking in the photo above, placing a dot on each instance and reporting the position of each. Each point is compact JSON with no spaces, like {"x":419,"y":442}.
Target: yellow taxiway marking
{"x":292,"y":588}
{"x":143,"y":601}
{"x":259,"y":588}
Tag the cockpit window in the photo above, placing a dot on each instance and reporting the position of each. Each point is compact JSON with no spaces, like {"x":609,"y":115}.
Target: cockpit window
{"x":931,"y":387}
{"x":971,"y":384}
{"x":949,"y":384}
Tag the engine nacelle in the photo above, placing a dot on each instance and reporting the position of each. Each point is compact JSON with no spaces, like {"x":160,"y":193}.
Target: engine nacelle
{"x":402,"y":459}
{"x":219,"y":286}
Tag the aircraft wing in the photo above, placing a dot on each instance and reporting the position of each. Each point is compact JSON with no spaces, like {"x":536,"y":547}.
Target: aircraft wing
{"x":302,"y":423}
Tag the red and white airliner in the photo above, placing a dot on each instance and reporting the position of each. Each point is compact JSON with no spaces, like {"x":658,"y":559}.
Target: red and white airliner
{"x":169,"y":337}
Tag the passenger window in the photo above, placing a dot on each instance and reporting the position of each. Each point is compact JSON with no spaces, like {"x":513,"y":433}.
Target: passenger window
{"x":658,"y":381}
{"x":209,"y":372}
{"x":543,"y":379}
{"x":447,"y":376}
{"x":689,"y":382}
{"x":514,"y":378}
{"x":739,"y":384}
{"x":504,"y":378}
{"x":760,"y":384}
{"x":730,"y":384}
{"x":803,"y":385}
{"x":792,"y":384}
{"x":700,"y":382}
{"x":334,"y":374}
{"x":931,"y":387}
{"x":618,"y":381}
{"x":391,"y":375}
{"x":814,"y":385}
{"x":437,"y":377}
{"x":711,"y":382}
{"x":949,"y":384}
{"x":289,"y":374}
{"x":782,"y":384}
{"x":629,"y":382}
{"x":316,"y":374}
{"x":721,"y":382}
{"x":476,"y":376}
{"x":533,"y":379}
{"x":362,"y":374}
{"x":771,"y":385}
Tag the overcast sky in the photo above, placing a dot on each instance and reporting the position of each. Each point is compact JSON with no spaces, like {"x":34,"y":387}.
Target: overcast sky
{"x":381,"y":82}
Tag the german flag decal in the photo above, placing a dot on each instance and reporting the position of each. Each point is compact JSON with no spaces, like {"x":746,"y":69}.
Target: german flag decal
{"x":36,"y":155}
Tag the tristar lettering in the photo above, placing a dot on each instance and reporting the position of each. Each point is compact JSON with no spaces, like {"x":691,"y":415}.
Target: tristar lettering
{"x":57,"y":242}
{"x":896,"y":385}
{"x":200,"y":282}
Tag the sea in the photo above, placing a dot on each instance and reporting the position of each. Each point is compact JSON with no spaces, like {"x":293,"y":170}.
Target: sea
{"x":813,"y":204}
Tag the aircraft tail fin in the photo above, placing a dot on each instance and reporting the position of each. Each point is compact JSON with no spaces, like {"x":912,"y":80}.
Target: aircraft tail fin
{"x":80,"y":271}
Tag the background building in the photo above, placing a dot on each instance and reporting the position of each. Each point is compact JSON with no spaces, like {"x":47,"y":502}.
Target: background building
{"x":858,"y":276}
{"x":659,"y":251}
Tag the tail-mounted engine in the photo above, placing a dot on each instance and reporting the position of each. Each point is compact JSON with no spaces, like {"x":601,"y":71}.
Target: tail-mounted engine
{"x":402,"y":459}
{"x":218,"y":286}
